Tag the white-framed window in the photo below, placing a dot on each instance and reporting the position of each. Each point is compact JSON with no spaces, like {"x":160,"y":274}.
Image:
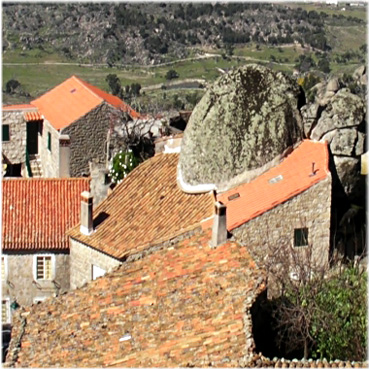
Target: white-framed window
{"x":4,"y":267}
{"x":5,"y":311}
{"x":97,"y":272}
{"x":44,"y":267}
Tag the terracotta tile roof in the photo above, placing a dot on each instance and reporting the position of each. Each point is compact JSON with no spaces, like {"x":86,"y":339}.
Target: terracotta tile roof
{"x":32,"y":116}
{"x":187,"y":305}
{"x":286,"y":180}
{"x":37,"y":212}
{"x":19,"y":107}
{"x":71,"y":100}
{"x":147,"y":207}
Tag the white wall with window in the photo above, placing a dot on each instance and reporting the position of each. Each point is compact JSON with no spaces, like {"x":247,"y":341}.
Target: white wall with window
{"x":44,"y":267}
{"x":5,"y":311}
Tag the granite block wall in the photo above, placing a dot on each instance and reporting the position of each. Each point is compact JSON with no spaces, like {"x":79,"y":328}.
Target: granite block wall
{"x":82,"y":258}
{"x":15,"y":149}
{"x":20,"y":283}
{"x":311,"y":209}
{"x":88,"y":139}
{"x":49,"y":159}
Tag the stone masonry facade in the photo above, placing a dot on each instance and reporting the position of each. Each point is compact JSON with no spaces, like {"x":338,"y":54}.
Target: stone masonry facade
{"x":49,"y":158}
{"x":88,"y":137}
{"x":82,"y":258}
{"x":15,"y":148}
{"x":21,"y":285}
{"x":311,"y":209}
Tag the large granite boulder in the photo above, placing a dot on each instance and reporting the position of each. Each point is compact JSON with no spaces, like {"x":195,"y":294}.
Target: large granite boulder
{"x":341,"y":122}
{"x":244,"y":122}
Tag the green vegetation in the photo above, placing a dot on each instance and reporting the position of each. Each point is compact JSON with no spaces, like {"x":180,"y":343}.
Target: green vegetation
{"x":123,"y":163}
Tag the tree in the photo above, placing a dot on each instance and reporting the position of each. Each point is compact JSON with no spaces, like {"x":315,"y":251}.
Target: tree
{"x":11,"y":86}
{"x":323,"y":65}
{"x":123,"y":163}
{"x":114,"y":84}
{"x":171,"y":74}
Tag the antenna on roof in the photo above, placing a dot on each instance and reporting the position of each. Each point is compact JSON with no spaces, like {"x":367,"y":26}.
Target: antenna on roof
{"x":313,"y":170}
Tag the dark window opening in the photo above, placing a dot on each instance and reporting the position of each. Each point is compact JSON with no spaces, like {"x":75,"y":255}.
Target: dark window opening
{"x":49,"y":141}
{"x":301,"y":237}
{"x":6,"y":134}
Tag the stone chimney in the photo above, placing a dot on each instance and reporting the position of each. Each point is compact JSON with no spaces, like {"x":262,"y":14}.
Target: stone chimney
{"x":219,"y":234}
{"x":64,"y":156}
{"x":86,"y":213}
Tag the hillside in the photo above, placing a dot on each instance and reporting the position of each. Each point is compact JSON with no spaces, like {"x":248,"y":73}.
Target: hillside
{"x":133,"y":41}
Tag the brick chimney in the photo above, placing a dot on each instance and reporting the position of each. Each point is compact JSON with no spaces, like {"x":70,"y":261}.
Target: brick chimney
{"x":219,"y":234}
{"x":86,"y":213}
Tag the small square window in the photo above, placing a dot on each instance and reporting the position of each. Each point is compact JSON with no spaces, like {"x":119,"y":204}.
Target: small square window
{"x":49,"y":141}
{"x":6,"y":133}
{"x":44,"y":267}
{"x":301,"y":237}
{"x":5,"y":311}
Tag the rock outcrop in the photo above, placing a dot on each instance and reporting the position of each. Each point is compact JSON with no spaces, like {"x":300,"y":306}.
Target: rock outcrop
{"x":340,"y":120}
{"x":244,"y":122}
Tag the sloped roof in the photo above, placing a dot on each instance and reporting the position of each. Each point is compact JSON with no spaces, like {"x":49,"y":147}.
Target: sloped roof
{"x":19,"y":107}
{"x":282,"y":182}
{"x":185,"y":305}
{"x":146,"y":207}
{"x":36,"y":212}
{"x":72,"y":99}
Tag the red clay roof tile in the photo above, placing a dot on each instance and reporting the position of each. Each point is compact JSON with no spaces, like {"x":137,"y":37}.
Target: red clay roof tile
{"x":184,"y":305}
{"x":19,"y":107}
{"x":284,"y":181}
{"x":72,"y":99}
{"x":32,"y":116}
{"x":146,"y":207}
{"x":37,"y":212}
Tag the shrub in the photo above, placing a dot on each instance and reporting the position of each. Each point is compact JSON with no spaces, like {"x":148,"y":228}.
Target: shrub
{"x":123,"y":163}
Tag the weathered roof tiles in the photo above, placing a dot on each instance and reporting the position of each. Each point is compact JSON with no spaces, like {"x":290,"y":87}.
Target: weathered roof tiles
{"x":146,"y":208}
{"x":183,"y":305}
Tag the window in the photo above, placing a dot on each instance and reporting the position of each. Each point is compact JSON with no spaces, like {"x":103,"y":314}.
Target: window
{"x":5,"y":311}
{"x":97,"y":272}
{"x":49,"y":141}
{"x":6,"y":134}
{"x":301,"y":237}
{"x":4,"y":268}
{"x":44,"y":267}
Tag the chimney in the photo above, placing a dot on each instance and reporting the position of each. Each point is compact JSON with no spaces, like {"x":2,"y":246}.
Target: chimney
{"x":86,"y":213}
{"x":219,"y":234}
{"x":64,"y":156}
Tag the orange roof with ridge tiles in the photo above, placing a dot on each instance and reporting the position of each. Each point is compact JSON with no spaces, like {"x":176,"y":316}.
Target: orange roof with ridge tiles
{"x":146,"y":208}
{"x":74,"y":98}
{"x":36,"y":212}
{"x":280,"y":183}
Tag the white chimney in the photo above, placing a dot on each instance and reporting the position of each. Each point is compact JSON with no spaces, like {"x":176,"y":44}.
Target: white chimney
{"x":86,"y":213}
{"x":219,"y":234}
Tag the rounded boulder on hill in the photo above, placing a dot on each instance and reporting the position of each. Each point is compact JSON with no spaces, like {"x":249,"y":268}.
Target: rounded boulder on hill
{"x":243,"y":123}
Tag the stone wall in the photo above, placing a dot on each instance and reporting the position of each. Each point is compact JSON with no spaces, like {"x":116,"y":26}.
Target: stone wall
{"x":49,"y":159}
{"x":311,"y":209}
{"x":20,"y":284}
{"x":88,"y":139}
{"x":15,"y":149}
{"x":82,"y":258}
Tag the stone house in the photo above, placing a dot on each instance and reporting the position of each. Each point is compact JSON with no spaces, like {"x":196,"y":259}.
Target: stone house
{"x":187,"y":305}
{"x":286,"y":210}
{"x":36,"y":213}
{"x":74,"y":124}
{"x":144,"y":212}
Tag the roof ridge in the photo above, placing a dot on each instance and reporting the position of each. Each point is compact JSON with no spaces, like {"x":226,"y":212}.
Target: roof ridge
{"x":48,"y":179}
{"x":83,"y":83}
